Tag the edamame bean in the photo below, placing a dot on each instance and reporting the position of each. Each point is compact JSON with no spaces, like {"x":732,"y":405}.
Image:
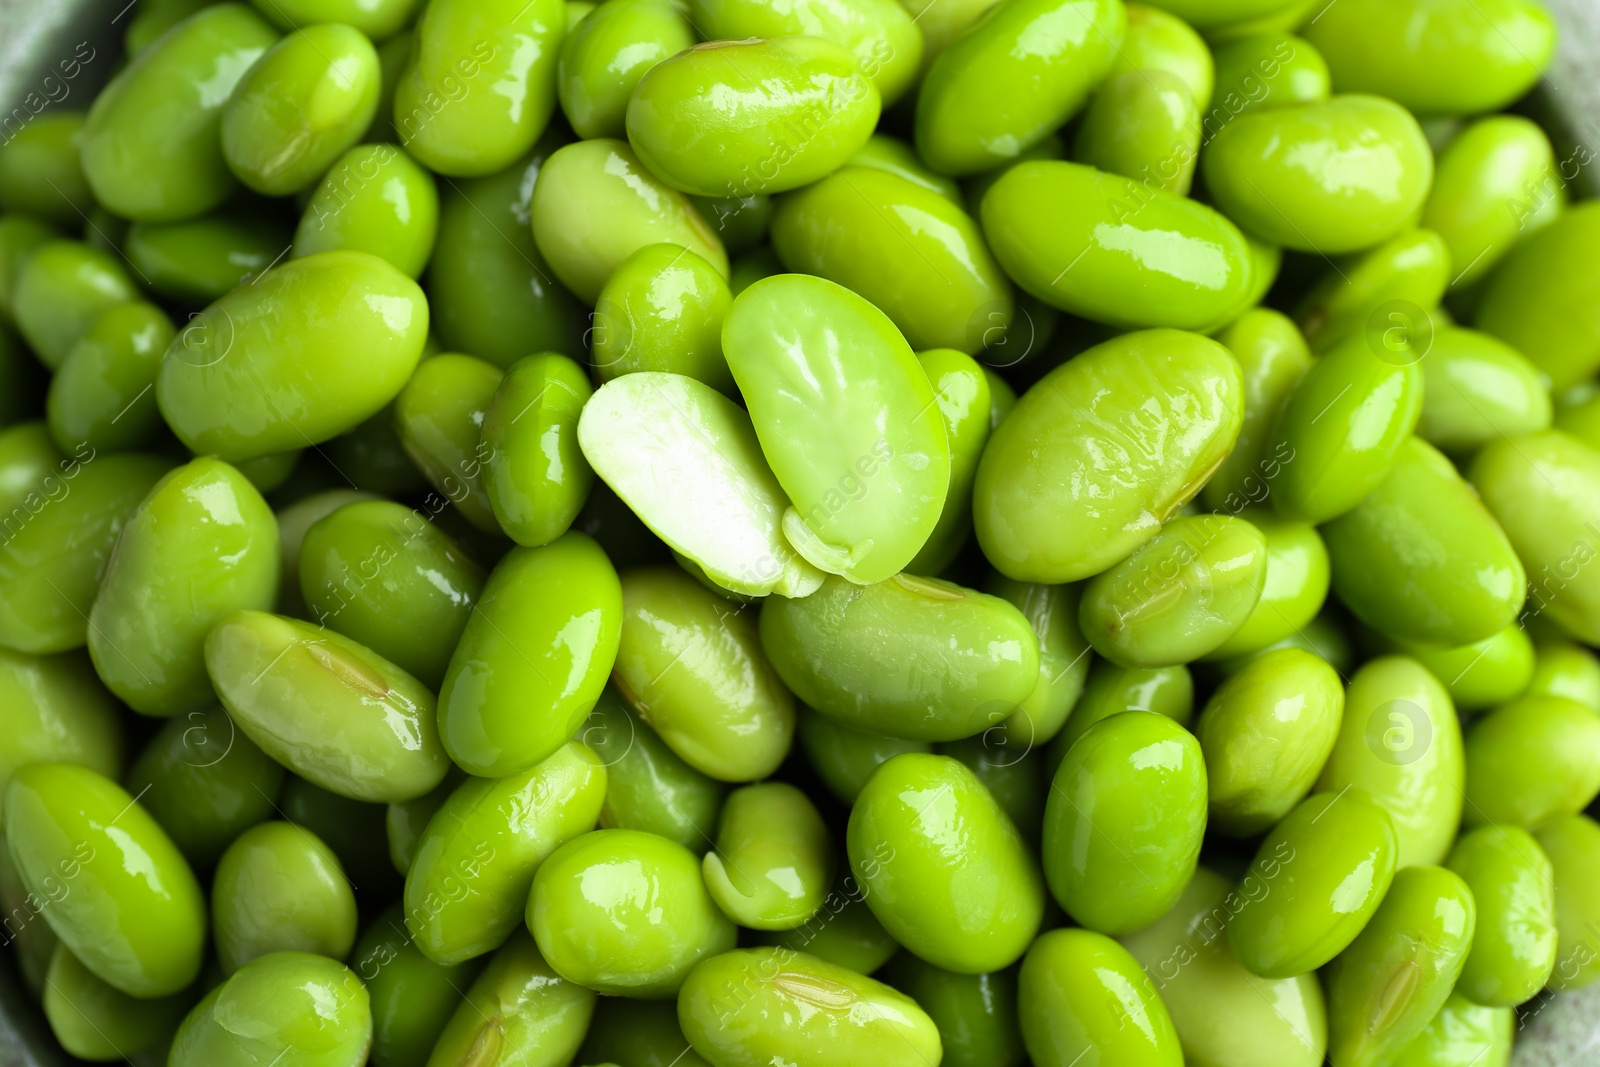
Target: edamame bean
{"x":40,"y":168}
{"x":1064,"y":658}
{"x":309,"y":351}
{"x":474,"y":865}
{"x":122,"y":897}
{"x":52,"y":558}
{"x":602,"y":60}
{"x":279,"y":889}
{"x":166,"y":585}
{"x":1340,"y":429}
{"x":1179,"y":596}
{"x":843,"y":757}
{"x":1264,"y":70}
{"x":662,"y":309}
{"x":1266,"y":733}
{"x":373,"y":199}
{"x":1123,"y":252}
{"x":1394,"y":285}
{"x":690,"y":663}
{"x":963,"y":394}
{"x":859,"y":446}
{"x":331,"y":710}
{"x":490,"y":291}
{"x":542,"y":635}
{"x":299,"y":107}
{"x":61,"y":290}
{"x":1547,"y":280}
{"x":1531,"y":762}
{"x":1495,"y":161}
{"x":976,"y":1014}
{"x":1541,"y":487}
{"x":733,"y":118}
{"x":1493,"y":671}
{"x":1123,"y":435}
{"x":1316,"y":880}
{"x":1272,"y":356}
{"x":843,"y":931}
{"x":354,"y":829}
{"x":439,"y":416}
{"x":94,"y":1020}
{"x":1514,"y":944}
{"x":1143,"y":124}
{"x":1259,"y":169}
{"x":519,"y":1010}
{"x":625,"y":912}
{"x":972,"y":919}
{"x":382,"y":575}
{"x":99,"y":395}
{"x":1450,"y":58}
{"x":676,"y":450}
{"x":1223,"y":1014}
{"x":152,"y":149}
{"x":412,"y":997}
{"x":1083,"y":998}
{"x":969,"y":659}
{"x":881,"y":35}
{"x":1386,"y":987}
{"x":285,"y":1006}
{"x":479,"y":84}
{"x":855,"y":226}
{"x":1422,"y":558}
{"x":377,"y":19}
{"x":1564,"y":669}
{"x":205,"y":782}
{"x":595,"y":204}
{"x":1463,"y":1032}
{"x":1123,"y":824}
{"x":1477,"y":390}
{"x":1400,"y":745}
{"x":648,"y":786}
{"x":58,"y":713}
{"x":997,"y":90}
{"x":1293,"y":591}
{"x":1572,"y":844}
{"x":773,"y":862}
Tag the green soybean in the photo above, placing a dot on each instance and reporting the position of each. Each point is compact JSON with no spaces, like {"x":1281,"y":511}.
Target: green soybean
{"x":1479,"y":389}
{"x":300,"y":1007}
{"x":1564,"y":669}
{"x":1386,"y":987}
{"x":205,"y":782}
{"x":152,"y":149}
{"x":843,"y":931}
{"x":61,"y":289}
{"x":331,"y":710}
{"x":1531,"y":762}
{"x":439,"y":416}
{"x":964,"y":397}
{"x":1264,"y":70}
{"x":41,"y":172}
{"x":998,"y":90}
{"x":1572,"y":844}
{"x":201,"y":259}
{"x":1064,"y":658}
{"x":1514,"y":944}
{"x":597,"y":911}
{"x":1259,"y":171}
{"x":662,"y":309}
{"x":1123,"y":824}
{"x":772,"y":865}
{"x":1422,"y":558}
{"x":1453,"y":58}
{"x":1082,"y":997}
{"x":1143,"y":124}
{"x":269,"y":367}
{"x":971,"y":658}
{"x":1316,"y":880}
{"x":767,"y":1005}
{"x":1126,"y":253}
{"x":94,"y":1020}
{"x":1479,"y":675}
{"x":648,"y":786}
{"x":1541,"y":487}
{"x":412,"y":997}
{"x":475,"y":862}
{"x":60,"y":713}
{"x":479,"y":84}
{"x":61,"y":827}
{"x":1393,"y":285}
{"x":519,"y":1010}
{"x":856,"y":226}
{"x":299,"y":107}
{"x":382,"y":575}
{"x":1463,"y":1032}
{"x":858,"y":446}
{"x":1111,"y":689}
{"x":1179,"y":596}
{"x":373,"y":199}
{"x":1140,"y":421}
{"x":1340,"y":429}
{"x":733,"y":118}
{"x":165,"y":585}
{"x":595,"y":204}
{"x":843,"y":757}
{"x":1272,"y":356}
{"x":972,"y":920}
{"x":1496,"y":161}
{"x":280,"y":889}
{"x":98,"y":395}
{"x":691,"y":664}
{"x":603,"y":58}
{"x":543,"y":634}
{"x":976,"y":1013}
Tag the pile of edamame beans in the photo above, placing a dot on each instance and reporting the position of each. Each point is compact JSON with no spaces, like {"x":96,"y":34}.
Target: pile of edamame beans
{"x":800,"y":532}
